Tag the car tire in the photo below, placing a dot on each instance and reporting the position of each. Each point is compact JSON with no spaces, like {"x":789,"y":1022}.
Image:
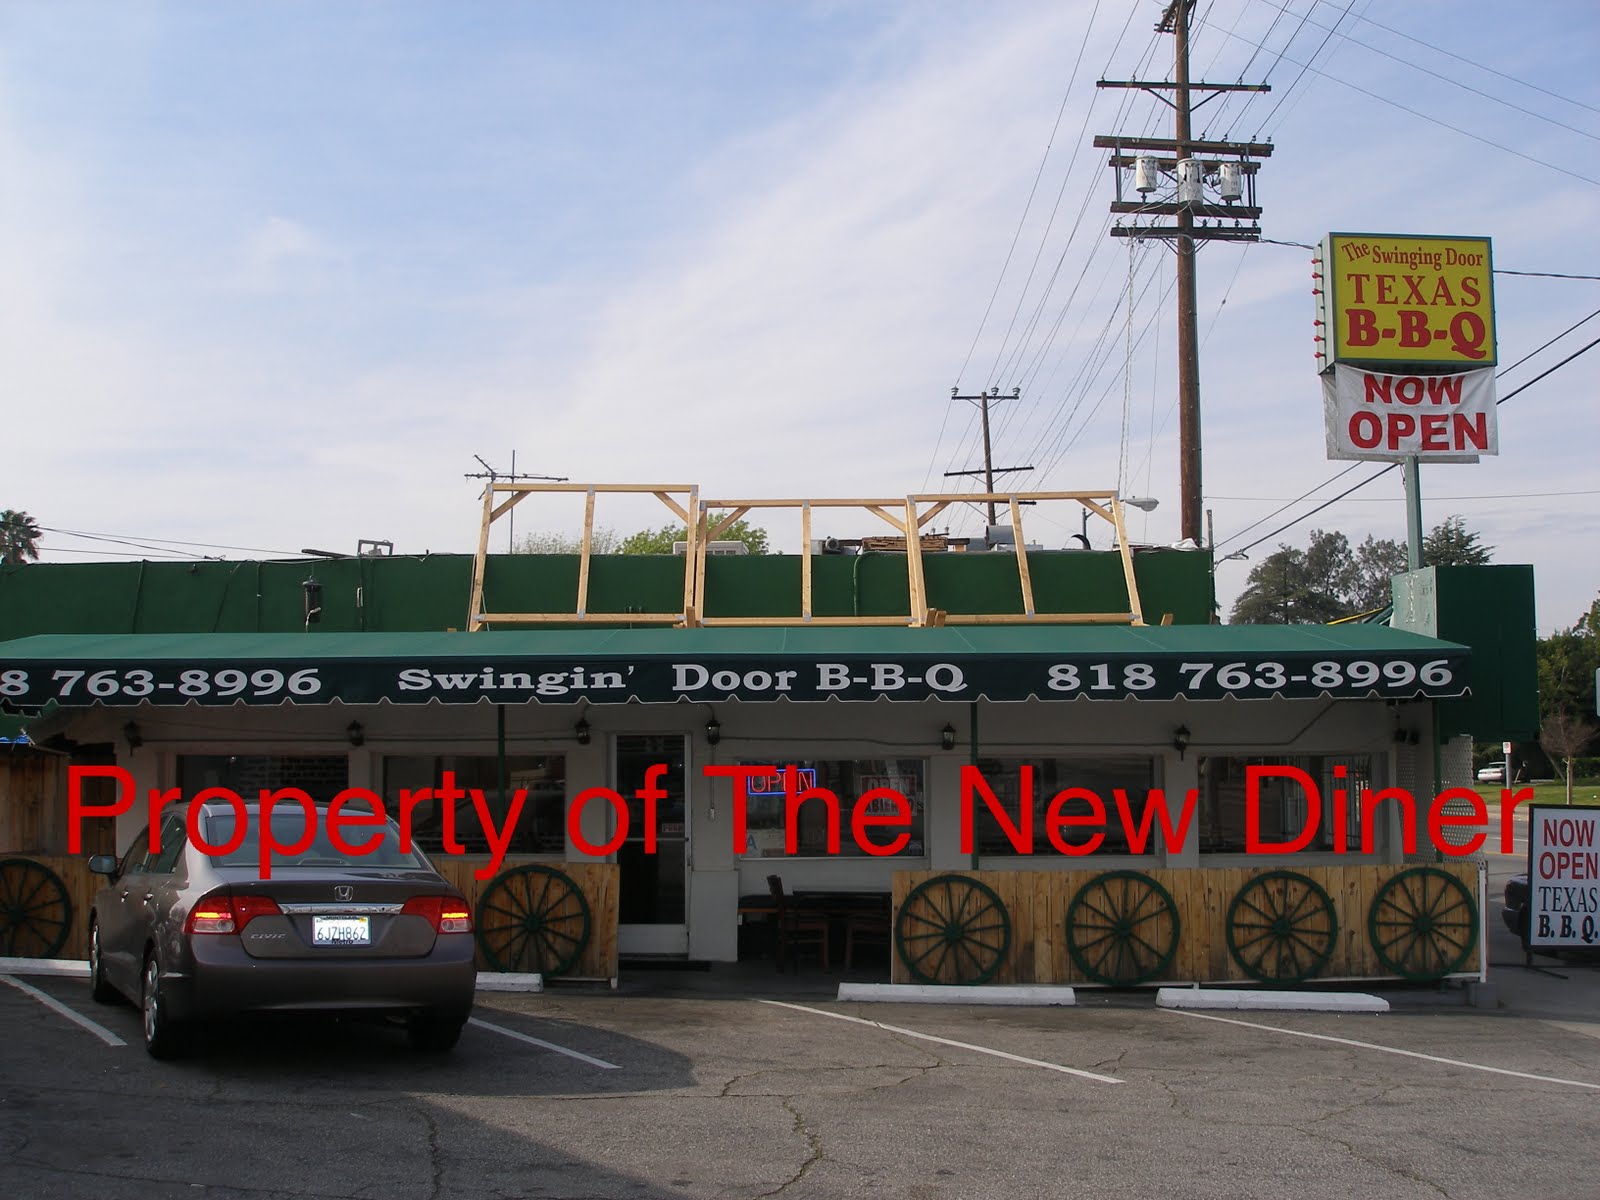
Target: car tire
{"x":99,"y":986}
{"x":163,"y":1037}
{"x":435,"y":1031}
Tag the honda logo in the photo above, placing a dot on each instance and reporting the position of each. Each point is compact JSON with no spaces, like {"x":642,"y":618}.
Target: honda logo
{"x":344,"y":892}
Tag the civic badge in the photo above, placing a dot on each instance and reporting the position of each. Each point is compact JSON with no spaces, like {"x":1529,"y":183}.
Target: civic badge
{"x":344,"y":891}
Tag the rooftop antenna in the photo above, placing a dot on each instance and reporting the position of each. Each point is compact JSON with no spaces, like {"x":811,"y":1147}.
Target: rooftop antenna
{"x":512,"y":476}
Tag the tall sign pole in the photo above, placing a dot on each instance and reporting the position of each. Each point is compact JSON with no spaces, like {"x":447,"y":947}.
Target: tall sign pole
{"x":1230,"y":175}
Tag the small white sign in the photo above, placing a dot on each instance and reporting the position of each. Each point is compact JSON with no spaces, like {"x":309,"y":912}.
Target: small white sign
{"x":1563,"y":877}
{"x":1437,"y":418}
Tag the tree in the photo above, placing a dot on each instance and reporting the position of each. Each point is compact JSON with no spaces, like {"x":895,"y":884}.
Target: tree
{"x":1328,"y":580}
{"x":603,"y":540}
{"x":1452,"y":544}
{"x":659,"y":541}
{"x":19,"y":538}
{"x":1565,"y":735}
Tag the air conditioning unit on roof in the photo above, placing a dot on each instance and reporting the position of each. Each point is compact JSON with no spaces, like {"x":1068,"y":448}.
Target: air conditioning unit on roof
{"x":682,"y":548}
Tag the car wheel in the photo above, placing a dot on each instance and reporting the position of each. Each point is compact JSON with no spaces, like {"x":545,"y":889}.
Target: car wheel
{"x":163,"y":1037}
{"x":434,"y":1031}
{"x":99,"y":986}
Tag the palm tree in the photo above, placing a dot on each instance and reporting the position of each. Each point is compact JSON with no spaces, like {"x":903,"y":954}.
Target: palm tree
{"x":19,"y":538}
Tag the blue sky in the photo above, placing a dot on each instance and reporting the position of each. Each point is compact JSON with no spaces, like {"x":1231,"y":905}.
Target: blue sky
{"x":275,"y":273}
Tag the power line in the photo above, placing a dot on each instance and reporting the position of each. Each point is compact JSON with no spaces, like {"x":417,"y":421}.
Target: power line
{"x":1432,"y":120}
{"x":138,"y":540}
{"x":1450,"y":54}
{"x":1380,"y":474}
{"x":1390,"y":499}
{"x":1415,"y":66}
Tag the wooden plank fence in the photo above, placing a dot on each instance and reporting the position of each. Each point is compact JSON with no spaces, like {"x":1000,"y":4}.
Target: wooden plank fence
{"x":1037,"y":903}
{"x":597,"y":880}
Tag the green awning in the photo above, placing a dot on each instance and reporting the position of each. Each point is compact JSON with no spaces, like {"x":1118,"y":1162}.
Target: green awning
{"x":607,"y":666}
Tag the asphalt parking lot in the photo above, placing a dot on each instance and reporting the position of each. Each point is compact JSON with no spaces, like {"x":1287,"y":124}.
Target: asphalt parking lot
{"x":668,"y":1091}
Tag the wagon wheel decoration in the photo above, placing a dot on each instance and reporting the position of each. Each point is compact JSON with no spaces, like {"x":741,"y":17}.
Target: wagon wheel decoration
{"x":1282,"y":927}
{"x":35,"y":913}
{"x":1423,"y":924}
{"x":1122,"y":928}
{"x":952,"y":929}
{"x":533,"y":918}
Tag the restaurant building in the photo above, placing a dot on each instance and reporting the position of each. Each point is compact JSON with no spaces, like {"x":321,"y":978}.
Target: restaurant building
{"x":1012,"y":686}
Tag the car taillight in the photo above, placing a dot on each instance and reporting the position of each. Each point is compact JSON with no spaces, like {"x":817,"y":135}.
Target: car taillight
{"x":446,"y":914}
{"x":222,"y":913}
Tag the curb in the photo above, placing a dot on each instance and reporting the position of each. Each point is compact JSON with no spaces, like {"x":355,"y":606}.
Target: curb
{"x":509,"y":981}
{"x":1038,"y":995}
{"x":72,"y":968}
{"x":1262,"y":1001}
{"x":69,"y":967}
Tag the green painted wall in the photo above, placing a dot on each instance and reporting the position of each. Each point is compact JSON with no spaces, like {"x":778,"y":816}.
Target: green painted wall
{"x":408,"y":594}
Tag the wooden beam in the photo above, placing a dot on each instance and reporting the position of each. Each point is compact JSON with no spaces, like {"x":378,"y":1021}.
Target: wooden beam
{"x":673,"y":505}
{"x":691,"y":558}
{"x":914,"y":578}
{"x":479,"y":563}
{"x":1095,"y":508}
{"x":1121,"y":618}
{"x":503,"y":509}
{"x":1021,"y":547}
{"x":805,"y":562}
{"x":727,"y":521}
{"x":878,"y":510}
{"x":1127,"y":564}
{"x":933,"y":512}
{"x":584,"y":554}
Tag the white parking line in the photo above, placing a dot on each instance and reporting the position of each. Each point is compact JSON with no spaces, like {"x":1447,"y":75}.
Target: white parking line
{"x":50,"y":1002}
{"x":928,"y":1037}
{"x":533,"y":1041}
{"x":1324,"y":1037}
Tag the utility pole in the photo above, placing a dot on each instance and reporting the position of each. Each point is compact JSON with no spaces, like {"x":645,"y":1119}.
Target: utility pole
{"x":512,"y":475}
{"x":1232,"y":180}
{"x":983,"y":400}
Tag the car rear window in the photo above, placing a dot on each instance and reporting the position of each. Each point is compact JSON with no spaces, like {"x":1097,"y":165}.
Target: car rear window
{"x":289,"y":826}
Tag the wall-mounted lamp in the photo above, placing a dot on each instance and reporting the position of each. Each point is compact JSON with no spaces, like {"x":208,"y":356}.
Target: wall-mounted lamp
{"x":313,"y":591}
{"x":713,"y":731}
{"x":135,"y":738}
{"x":947,"y":737}
{"x":581,"y":731}
{"x":1180,"y":739}
{"x":355,"y":733}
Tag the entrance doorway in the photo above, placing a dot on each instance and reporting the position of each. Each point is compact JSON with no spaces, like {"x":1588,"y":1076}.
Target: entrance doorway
{"x":653,"y":900}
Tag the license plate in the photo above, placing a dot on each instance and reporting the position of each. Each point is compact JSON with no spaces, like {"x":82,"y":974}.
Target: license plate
{"x":341,"y":931}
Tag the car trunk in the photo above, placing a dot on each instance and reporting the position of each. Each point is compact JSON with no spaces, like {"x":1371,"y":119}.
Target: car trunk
{"x":338,"y":914}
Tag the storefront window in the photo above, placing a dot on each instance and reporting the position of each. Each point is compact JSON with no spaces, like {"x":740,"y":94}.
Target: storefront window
{"x":320,"y":776}
{"x":540,"y":828}
{"x":1103,"y":776}
{"x":846,"y":779}
{"x":1281,"y":805}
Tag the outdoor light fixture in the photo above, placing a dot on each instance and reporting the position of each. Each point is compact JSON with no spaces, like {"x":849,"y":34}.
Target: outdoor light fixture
{"x":1180,"y":739}
{"x":135,"y":738}
{"x":581,"y":731}
{"x":713,"y":731}
{"x":1145,"y":503}
{"x":947,"y":737}
{"x":355,"y":733}
{"x":313,"y":591}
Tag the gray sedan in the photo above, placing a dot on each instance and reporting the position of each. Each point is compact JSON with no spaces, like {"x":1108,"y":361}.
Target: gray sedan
{"x":189,"y":935}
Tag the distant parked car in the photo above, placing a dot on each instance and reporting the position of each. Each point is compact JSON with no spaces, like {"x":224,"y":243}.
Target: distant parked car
{"x":1494,"y":774}
{"x":1515,"y":910}
{"x":187,"y":936}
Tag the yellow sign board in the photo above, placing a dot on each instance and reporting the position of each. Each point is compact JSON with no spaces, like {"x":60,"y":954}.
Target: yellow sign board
{"x":1405,"y":300}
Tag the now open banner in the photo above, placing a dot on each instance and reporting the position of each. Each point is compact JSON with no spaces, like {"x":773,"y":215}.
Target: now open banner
{"x":1436,"y":418}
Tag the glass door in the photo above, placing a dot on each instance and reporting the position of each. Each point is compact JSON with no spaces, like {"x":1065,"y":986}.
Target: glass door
{"x":653,"y":900}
